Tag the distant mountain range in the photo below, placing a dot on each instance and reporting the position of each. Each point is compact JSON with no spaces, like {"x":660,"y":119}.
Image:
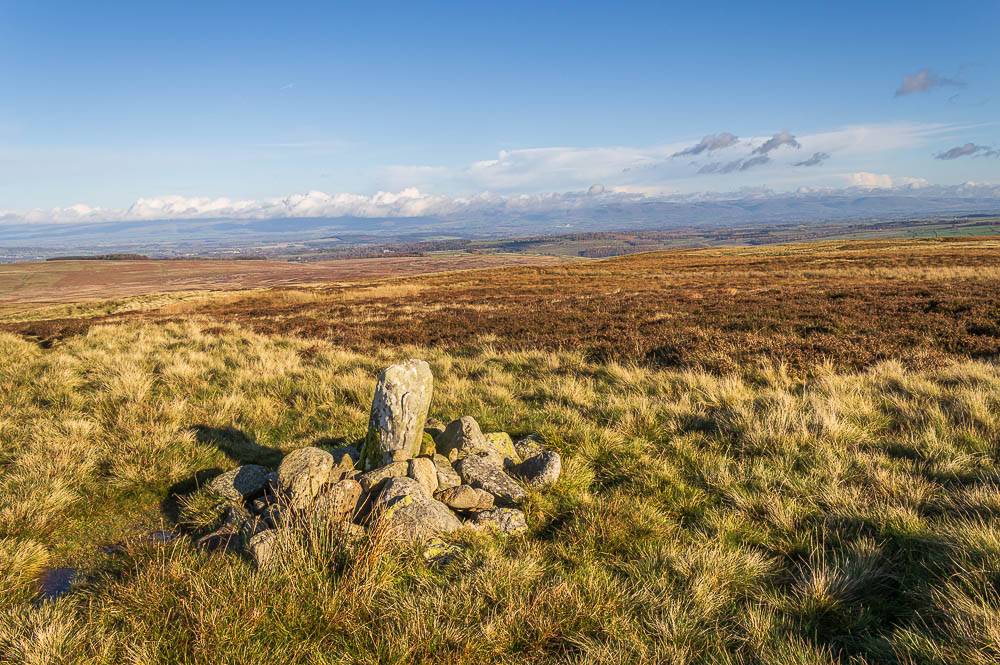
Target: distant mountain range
{"x":499,"y":217}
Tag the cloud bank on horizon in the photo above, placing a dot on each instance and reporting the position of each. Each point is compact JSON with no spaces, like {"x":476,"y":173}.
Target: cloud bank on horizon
{"x":546,"y":179}
{"x":412,"y":202}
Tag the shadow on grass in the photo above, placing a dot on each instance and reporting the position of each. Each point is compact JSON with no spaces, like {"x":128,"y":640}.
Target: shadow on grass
{"x":238,"y":447}
{"x":170,"y":505}
{"x":335,"y":442}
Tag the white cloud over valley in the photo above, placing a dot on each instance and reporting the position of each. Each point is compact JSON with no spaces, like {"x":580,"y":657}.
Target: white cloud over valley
{"x":566,"y":178}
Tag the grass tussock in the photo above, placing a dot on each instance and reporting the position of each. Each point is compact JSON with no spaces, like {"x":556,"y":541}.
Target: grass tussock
{"x":759,"y":516}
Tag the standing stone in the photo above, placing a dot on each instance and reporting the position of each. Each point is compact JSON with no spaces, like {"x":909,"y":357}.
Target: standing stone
{"x":399,"y":410}
{"x":302,"y":474}
{"x":424,"y":472}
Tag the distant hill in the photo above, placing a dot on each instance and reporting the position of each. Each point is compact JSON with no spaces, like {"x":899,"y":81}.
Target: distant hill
{"x":495,"y":220}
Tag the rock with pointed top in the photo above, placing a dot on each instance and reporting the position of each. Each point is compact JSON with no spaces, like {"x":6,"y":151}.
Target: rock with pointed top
{"x":460,"y":438}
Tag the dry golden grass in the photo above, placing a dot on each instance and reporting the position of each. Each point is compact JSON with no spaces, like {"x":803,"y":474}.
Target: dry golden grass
{"x":757,"y":516}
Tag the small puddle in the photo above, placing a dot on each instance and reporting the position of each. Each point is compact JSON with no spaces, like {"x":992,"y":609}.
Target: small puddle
{"x":55,"y":582}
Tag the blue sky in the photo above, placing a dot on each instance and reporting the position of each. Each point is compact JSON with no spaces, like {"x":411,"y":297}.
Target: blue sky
{"x":108,"y":103}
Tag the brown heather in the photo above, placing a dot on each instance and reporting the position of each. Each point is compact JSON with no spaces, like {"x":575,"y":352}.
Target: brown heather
{"x":839,"y":507}
{"x":854,"y":303}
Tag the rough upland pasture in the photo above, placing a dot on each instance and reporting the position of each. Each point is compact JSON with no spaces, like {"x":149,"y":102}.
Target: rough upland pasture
{"x":849,"y":303}
{"x":841,"y":506}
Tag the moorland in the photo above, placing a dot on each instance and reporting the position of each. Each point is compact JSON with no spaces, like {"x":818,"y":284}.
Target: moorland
{"x":782,"y":454}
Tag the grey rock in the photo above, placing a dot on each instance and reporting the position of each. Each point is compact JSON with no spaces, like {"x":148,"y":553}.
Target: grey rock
{"x":302,"y":474}
{"x":262,"y":547}
{"x":434,"y":427}
{"x":344,"y":467}
{"x":242,"y":521}
{"x":528,"y":446}
{"x":340,"y":451}
{"x":400,"y":486}
{"x":446,"y":474}
{"x":371,"y":481}
{"x":465,"y":498}
{"x":412,"y":518}
{"x":260,"y":504}
{"x":423,"y":470}
{"x":271,"y":483}
{"x":482,"y":473}
{"x":273,"y":514}
{"x":339,"y":499}
{"x":461,"y":437}
{"x":242,"y":483}
{"x":502,"y":520}
{"x":501,"y":444}
{"x":399,"y":411}
{"x":223,"y":540}
{"x":161,"y":537}
{"x":541,"y":470}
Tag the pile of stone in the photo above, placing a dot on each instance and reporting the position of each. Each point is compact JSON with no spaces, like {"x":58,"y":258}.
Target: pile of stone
{"x":417,"y":479}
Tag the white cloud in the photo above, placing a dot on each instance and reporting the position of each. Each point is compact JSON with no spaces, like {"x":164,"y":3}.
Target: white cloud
{"x":518,"y":180}
{"x":412,"y":202}
{"x":560,"y":168}
{"x":866,"y":180}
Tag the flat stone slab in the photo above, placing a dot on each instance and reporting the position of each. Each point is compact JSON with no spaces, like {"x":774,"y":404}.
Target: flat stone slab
{"x":480,"y":472}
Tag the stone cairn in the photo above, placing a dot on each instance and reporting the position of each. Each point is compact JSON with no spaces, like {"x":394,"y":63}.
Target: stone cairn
{"x":416,"y":479}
